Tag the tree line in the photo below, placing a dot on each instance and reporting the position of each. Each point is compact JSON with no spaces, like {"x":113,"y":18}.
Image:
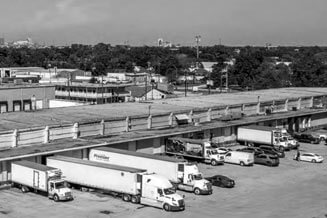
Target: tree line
{"x":253,"y":67}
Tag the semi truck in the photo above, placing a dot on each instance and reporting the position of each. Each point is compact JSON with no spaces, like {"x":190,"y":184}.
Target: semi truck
{"x":132,"y":184}
{"x":28,"y":175}
{"x":262,"y":135}
{"x":185,"y":176}
{"x":195,"y":149}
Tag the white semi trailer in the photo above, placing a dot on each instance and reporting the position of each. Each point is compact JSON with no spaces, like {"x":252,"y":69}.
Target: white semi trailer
{"x":185,"y":175}
{"x":133,"y":184}
{"x":29,"y":175}
{"x":262,"y":135}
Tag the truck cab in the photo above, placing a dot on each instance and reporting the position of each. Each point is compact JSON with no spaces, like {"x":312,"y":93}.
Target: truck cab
{"x":193,"y":181}
{"x":211,"y":155}
{"x":157,"y":191}
{"x":57,"y":187}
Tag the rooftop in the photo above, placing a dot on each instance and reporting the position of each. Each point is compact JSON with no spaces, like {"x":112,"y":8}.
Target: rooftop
{"x":69,"y":115}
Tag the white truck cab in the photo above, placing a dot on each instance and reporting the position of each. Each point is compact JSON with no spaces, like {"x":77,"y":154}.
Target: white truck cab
{"x":193,"y":181}
{"x":211,"y":155}
{"x":157,"y":191}
{"x":57,"y":190}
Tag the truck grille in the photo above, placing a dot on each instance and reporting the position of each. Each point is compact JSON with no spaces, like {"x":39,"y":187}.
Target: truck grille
{"x":181,"y":202}
{"x":68,"y":194}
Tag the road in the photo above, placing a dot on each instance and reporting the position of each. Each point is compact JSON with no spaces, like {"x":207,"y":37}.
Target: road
{"x":294,"y":189}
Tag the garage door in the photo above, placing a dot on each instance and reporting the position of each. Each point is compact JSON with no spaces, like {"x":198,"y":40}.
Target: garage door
{"x":27,"y":106}
{"x":17,"y":106}
{"x":39,"y":104}
{"x":3,"y":108}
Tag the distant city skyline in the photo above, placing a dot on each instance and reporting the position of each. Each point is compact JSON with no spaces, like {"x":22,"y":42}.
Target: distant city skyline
{"x":142,"y":22}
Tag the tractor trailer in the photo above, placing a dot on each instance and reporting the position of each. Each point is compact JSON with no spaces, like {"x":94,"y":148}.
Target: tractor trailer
{"x":33,"y":176}
{"x":195,"y":149}
{"x":262,"y":135}
{"x":185,"y":176}
{"x":133,"y":184}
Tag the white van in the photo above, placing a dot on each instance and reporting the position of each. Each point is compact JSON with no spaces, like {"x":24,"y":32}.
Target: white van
{"x":239,"y":157}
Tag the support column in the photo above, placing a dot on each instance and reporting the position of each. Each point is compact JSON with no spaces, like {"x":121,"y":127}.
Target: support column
{"x":258,"y":108}
{"x":85,"y":155}
{"x":311,"y":102}
{"x":150,"y":122}
{"x":132,"y":146}
{"x":286,"y":105}
{"x":157,"y":146}
{"x":127,"y":124}
{"x":243,"y":108}
{"x":207,"y":134}
{"x":170,"y":119}
{"x":190,"y":116}
{"x":209,"y":115}
{"x":38,"y":159}
{"x":4,"y":171}
{"x":46,"y":135}
{"x":15,"y":138}
{"x":102,"y":127}
{"x":309,"y":121}
{"x":75,"y":131}
{"x":299,"y":103}
{"x":226,"y":110}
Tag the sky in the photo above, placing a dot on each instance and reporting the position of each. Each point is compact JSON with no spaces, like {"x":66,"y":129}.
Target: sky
{"x":142,"y":22}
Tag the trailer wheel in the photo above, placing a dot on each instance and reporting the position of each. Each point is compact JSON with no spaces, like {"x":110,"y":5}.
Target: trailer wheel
{"x":214,"y":162}
{"x":24,"y":189}
{"x":134,"y":199}
{"x":126,"y":197}
{"x":166,"y":207}
{"x":56,"y":198}
{"x":197,"y":191}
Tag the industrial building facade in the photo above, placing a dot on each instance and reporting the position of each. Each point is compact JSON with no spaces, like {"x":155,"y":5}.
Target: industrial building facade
{"x":25,"y":97}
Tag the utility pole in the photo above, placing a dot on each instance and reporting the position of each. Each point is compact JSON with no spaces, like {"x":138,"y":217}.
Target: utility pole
{"x":197,"y":40}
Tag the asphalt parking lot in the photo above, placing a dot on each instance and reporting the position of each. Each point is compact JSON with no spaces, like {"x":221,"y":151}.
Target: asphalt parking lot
{"x":294,"y":189}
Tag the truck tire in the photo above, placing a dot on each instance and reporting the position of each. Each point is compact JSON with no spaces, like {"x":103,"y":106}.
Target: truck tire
{"x":56,"y":198}
{"x":197,"y":191}
{"x":126,"y":197}
{"x":214,"y":162}
{"x":166,"y":207}
{"x":134,"y":199}
{"x":24,"y":189}
{"x":242,"y":163}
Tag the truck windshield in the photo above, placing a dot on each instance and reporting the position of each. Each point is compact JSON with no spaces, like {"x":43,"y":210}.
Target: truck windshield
{"x":197,"y":177}
{"x":60,"y":185}
{"x":169,"y":191}
{"x":214,"y":152}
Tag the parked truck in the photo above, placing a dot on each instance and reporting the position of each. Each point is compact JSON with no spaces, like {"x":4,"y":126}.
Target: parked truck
{"x":195,"y":149}
{"x":262,"y":135}
{"x":133,"y":184}
{"x":185,"y":176}
{"x":28,"y":175}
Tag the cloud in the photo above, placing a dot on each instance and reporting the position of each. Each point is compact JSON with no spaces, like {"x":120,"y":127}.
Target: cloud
{"x":65,"y":13}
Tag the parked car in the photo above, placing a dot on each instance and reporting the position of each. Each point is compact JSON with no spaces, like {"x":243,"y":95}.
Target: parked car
{"x":266,"y":159}
{"x":272,"y":150}
{"x":310,"y":157}
{"x":223,"y":150}
{"x":221,"y":181}
{"x":307,"y":137}
{"x":254,"y":150}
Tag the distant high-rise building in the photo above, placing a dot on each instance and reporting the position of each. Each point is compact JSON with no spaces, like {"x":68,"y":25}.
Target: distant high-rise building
{"x":2,"y":41}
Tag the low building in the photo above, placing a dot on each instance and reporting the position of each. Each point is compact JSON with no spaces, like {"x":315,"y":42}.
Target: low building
{"x":25,"y":97}
{"x":92,"y":93}
{"x":143,"y":93}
